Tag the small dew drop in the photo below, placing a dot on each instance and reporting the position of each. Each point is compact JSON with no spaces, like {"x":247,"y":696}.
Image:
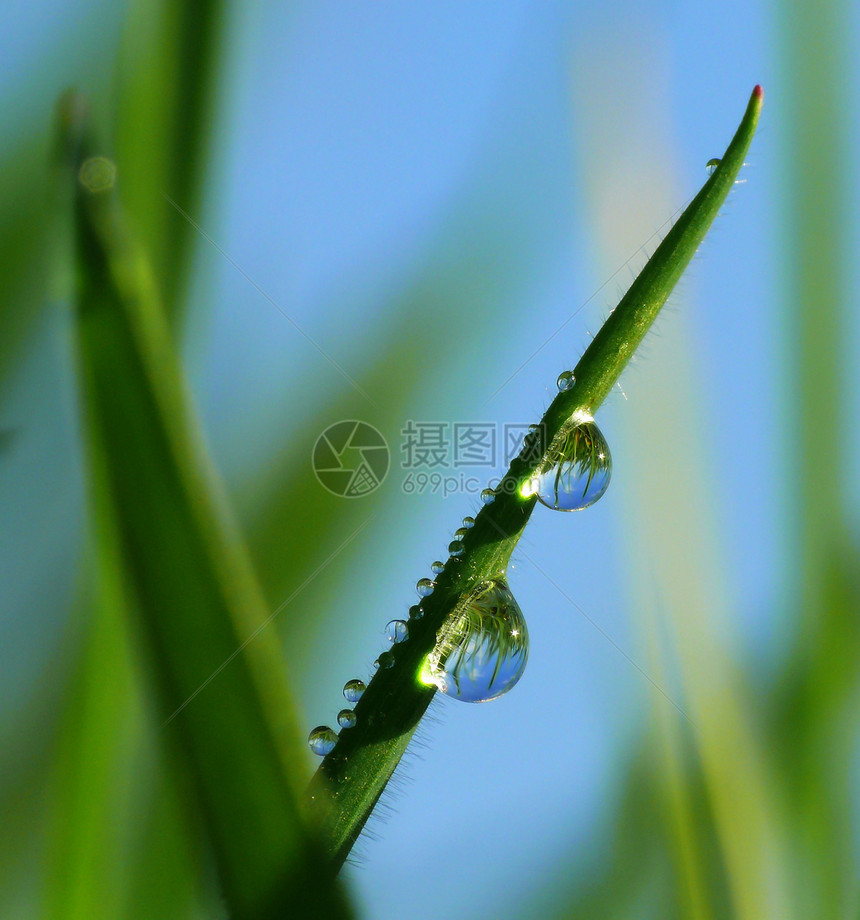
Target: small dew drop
{"x":576,"y":471}
{"x":397,"y":631}
{"x":456,"y":548}
{"x":468,"y":521}
{"x":565,"y":381}
{"x":460,"y":532}
{"x":415,"y":612}
{"x":482,"y":648}
{"x":712,"y":164}
{"x":346,"y":718}
{"x":322,"y":740}
{"x":353,"y":690}
{"x":437,"y":567}
{"x":385,"y":660}
{"x":425,"y":587}
{"x":488,"y":495}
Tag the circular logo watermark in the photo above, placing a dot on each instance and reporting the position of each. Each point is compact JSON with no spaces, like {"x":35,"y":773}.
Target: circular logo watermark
{"x":351,"y":459}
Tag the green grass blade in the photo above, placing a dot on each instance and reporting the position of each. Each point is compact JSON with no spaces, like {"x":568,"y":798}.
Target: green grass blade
{"x":167,"y":82}
{"x":365,"y":756}
{"x":166,"y":538}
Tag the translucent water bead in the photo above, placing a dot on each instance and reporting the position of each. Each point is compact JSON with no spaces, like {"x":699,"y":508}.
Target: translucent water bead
{"x":575,"y":472}
{"x":322,"y":740}
{"x":397,"y":630}
{"x":346,"y":718}
{"x":353,"y":690}
{"x":565,"y":381}
{"x":385,"y":660}
{"x":424,"y":587}
{"x":482,"y":649}
{"x":437,"y":567}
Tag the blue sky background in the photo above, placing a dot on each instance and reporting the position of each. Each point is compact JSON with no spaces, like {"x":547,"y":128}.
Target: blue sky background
{"x":363,"y":149}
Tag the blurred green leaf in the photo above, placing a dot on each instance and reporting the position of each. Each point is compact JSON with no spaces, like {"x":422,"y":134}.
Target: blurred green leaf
{"x":166,"y":540}
{"x":168,"y":67}
{"x":816,"y":708}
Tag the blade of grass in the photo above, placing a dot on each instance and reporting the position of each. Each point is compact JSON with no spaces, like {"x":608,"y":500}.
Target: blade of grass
{"x":165,"y":537}
{"x":168,"y":64}
{"x":365,"y":757}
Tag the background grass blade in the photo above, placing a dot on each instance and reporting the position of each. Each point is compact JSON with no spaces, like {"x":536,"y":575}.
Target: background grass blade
{"x":166,"y":540}
{"x":818,"y":698}
{"x":365,"y":756}
{"x":168,"y":64}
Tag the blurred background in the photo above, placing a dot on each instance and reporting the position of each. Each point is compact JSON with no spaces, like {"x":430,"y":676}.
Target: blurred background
{"x":421,"y":212}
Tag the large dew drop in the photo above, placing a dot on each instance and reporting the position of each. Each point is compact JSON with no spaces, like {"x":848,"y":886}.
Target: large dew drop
{"x":322,"y":740}
{"x":576,"y":470}
{"x":482,"y":649}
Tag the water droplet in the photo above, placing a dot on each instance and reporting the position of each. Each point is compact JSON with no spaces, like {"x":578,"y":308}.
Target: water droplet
{"x":425,"y":587}
{"x":565,"y":381}
{"x":437,"y":567}
{"x":488,"y":495}
{"x":385,"y":660}
{"x":397,"y":630}
{"x":468,"y":521}
{"x":460,"y":532}
{"x":346,"y":718}
{"x":415,"y":612}
{"x":353,"y":689}
{"x":576,"y":470}
{"x":455,"y":548}
{"x":482,"y":648}
{"x":712,"y":164}
{"x":322,"y":740}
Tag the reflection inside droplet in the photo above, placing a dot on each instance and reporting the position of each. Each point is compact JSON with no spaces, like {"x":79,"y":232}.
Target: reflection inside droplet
{"x":353,"y":689}
{"x":482,"y":649}
{"x":397,"y":631}
{"x":322,"y":740}
{"x":576,"y":470}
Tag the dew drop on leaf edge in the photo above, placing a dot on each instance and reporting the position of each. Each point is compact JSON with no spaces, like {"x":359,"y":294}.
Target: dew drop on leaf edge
{"x":424,"y":587}
{"x":482,"y":648}
{"x":575,"y":472}
{"x":353,"y":690}
{"x":385,"y":660}
{"x":565,"y":381}
{"x":322,"y":740}
{"x":346,"y":718}
{"x":397,"y":630}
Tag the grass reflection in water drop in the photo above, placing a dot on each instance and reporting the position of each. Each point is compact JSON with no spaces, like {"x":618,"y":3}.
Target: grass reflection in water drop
{"x":576,"y":470}
{"x":482,"y":649}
